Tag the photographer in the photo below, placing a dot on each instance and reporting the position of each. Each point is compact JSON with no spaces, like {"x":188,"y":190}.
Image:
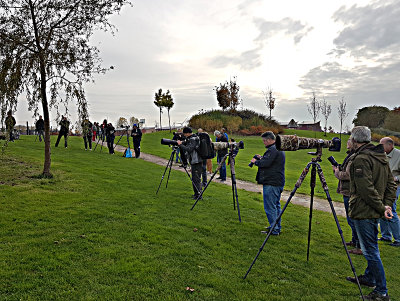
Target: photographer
{"x":392,"y":227}
{"x":87,"y":133}
{"x":221,"y":154}
{"x":178,"y":136}
{"x":372,"y":193}
{"x":342,"y":173}
{"x":136,"y":135}
{"x":190,"y":146}
{"x":271,"y":174}
{"x":110,"y":135}
{"x":64,"y":131}
{"x":39,"y":125}
{"x":10,"y":123}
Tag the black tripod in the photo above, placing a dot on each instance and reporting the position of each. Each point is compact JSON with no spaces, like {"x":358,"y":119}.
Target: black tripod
{"x":231,"y":155}
{"x":169,"y":165}
{"x":315,"y":167}
{"x":101,"y":137}
{"x":127,"y":138}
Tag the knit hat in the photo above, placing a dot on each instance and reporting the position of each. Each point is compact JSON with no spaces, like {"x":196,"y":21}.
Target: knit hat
{"x":187,"y":130}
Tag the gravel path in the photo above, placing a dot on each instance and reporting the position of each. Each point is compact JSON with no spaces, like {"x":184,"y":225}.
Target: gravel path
{"x":298,"y":199}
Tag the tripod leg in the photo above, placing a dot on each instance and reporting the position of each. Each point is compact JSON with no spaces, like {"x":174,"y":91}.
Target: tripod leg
{"x":209,"y":181}
{"x":325,"y":187}
{"x":123,"y":134}
{"x":171,"y":159}
{"x":165,"y":170}
{"x":296,"y":186}
{"x":234,"y":187}
{"x":312,"y":185}
{"x":199,"y":192}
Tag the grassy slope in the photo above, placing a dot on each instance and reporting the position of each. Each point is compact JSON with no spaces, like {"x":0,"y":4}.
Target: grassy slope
{"x":98,"y":231}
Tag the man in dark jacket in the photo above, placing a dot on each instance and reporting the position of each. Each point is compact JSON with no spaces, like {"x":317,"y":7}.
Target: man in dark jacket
{"x":220,"y":137}
{"x":64,"y":131}
{"x":271,"y":174}
{"x":372,"y":193}
{"x":110,"y":135}
{"x":87,"y":133}
{"x":136,"y":134}
{"x":10,"y":123}
{"x":40,"y":128}
{"x":190,"y":146}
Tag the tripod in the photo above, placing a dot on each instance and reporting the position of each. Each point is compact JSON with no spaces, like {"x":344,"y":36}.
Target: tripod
{"x":101,"y":137}
{"x":231,"y":155}
{"x":315,"y":167}
{"x":127,"y":138}
{"x":169,"y":165}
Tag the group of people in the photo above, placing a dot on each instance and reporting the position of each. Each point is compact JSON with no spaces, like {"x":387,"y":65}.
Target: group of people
{"x":369,"y":182}
{"x":90,"y":131}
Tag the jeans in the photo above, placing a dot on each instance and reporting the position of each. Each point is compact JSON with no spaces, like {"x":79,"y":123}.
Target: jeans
{"x":354,"y":237}
{"x":88,"y":140}
{"x":40,"y":135}
{"x":391,"y":227}
{"x":272,"y":205}
{"x":177,"y":155}
{"x":222,"y":171}
{"x":60,"y":134}
{"x":367,"y":230}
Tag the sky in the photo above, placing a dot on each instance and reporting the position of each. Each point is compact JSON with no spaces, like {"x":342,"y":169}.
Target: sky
{"x":337,"y":49}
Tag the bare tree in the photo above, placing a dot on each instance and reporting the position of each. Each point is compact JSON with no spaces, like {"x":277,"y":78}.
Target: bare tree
{"x":269,"y":101}
{"x":342,"y":113}
{"x":158,"y":101}
{"x":326,"y":110}
{"x":168,"y":103}
{"x":314,"y":107}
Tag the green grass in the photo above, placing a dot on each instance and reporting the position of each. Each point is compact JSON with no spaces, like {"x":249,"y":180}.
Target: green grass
{"x":295,"y":161}
{"x":97,"y":231}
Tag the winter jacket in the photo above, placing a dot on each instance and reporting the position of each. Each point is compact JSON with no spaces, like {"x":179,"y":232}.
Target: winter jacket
{"x":191,"y":146}
{"x":136,"y":134}
{"x":64,"y":126}
{"x":394,"y":163}
{"x":371,"y":183}
{"x":222,"y":152}
{"x":271,"y":167}
{"x":39,"y":125}
{"x":343,"y":175}
{"x":87,"y":127}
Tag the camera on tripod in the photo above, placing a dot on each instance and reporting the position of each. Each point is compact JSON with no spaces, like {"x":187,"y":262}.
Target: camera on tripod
{"x":169,"y":142}
{"x":294,"y":143}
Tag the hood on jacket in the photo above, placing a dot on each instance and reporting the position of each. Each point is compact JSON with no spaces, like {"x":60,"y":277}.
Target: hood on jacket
{"x":376,"y":151}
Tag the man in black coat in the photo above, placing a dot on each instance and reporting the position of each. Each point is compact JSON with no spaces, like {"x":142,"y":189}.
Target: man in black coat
{"x":40,"y":128}
{"x":64,"y":131}
{"x":136,"y":134}
{"x":271,"y":174}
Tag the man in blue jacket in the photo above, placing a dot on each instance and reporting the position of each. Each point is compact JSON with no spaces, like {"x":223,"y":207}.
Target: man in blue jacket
{"x":271,"y":174}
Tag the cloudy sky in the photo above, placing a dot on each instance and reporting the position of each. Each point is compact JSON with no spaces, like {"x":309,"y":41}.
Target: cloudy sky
{"x":340,"y":48}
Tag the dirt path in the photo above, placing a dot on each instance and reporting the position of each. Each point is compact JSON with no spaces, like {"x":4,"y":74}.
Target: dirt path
{"x":298,"y":199}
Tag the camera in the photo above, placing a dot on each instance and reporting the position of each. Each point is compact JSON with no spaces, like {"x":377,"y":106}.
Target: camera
{"x":169,"y":142}
{"x":333,"y":161}
{"x":293,"y":143}
{"x":257,"y":157}
{"x":225,"y":145}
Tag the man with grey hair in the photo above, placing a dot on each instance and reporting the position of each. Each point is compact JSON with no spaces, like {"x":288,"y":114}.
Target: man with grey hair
{"x":372,"y":193}
{"x":221,"y":154}
{"x":392,"y":227}
{"x":271,"y":174}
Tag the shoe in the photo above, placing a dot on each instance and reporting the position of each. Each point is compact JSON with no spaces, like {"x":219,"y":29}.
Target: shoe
{"x":376,"y":296}
{"x":194,"y":197}
{"x":384,"y":239}
{"x":362,"y":280}
{"x":223,"y":180}
{"x":350,"y":244}
{"x":395,"y":244}
{"x":356,"y":252}
{"x":219,"y":178}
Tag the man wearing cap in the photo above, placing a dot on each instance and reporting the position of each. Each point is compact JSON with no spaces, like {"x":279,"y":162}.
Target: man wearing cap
{"x":190,"y":146}
{"x":136,"y":134}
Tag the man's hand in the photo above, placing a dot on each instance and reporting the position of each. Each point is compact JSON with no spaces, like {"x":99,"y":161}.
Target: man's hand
{"x":254,"y":159}
{"x":388,"y":212}
{"x":179,"y":142}
{"x":396,"y":179}
{"x":335,"y":168}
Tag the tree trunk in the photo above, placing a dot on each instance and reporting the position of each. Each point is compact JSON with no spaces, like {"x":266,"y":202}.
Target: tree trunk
{"x":46,"y":116}
{"x":169,"y":122}
{"x":160,"y":118}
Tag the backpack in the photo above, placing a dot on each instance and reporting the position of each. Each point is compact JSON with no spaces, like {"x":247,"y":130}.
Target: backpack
{"x":206,"y":147}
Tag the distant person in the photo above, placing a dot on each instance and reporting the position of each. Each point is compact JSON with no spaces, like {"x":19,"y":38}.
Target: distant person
{"x":271,"y":174}
{"x":391,"y":227}
{"x":223,"y":131}
{"x":177,"y":136}
{"x":110,"y":135}
{"x":64,"y":131}
{"x":372,"y":194}
{"x":220,"y":155}
{"x":95,"y":131}
{"x":10,"y":124}
{"x":342,"y":173}
{"x":204,"y":166}
{"x":136,"y":134}
{"x":39,"y":125}
{"x":87,"y":133}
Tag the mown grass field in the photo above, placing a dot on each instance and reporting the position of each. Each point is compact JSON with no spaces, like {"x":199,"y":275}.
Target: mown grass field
{"x":98,"y":231}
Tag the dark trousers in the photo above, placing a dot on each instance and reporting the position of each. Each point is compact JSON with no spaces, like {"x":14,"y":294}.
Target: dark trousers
{"x":136,"y":148}
{"x":88,"y":139}
{"x":110,"y":144}
{"x":60,"y":134}
{"x":196,"y":177}
{"x":40,"y":135}
{"x":204,"y":172}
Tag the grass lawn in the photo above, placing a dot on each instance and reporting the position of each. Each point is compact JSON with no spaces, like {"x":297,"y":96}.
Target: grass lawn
{"x":97,"y":231}
{"x":295,"y":161}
